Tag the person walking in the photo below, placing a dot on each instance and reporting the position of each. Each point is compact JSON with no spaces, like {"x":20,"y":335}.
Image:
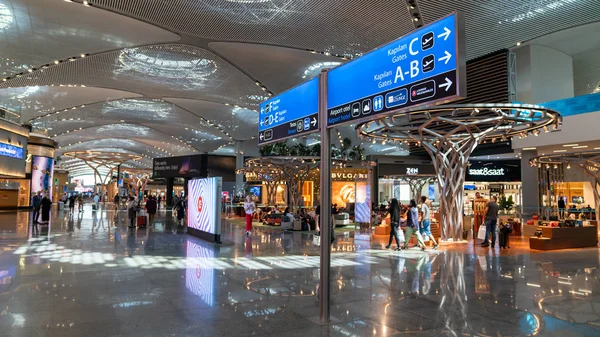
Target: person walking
{"x":412,"y":225}
{"x":491,"y":219}
{"x":561,"y":207}
{"x":151,"y":209}
{"x":96,"y":202}
{"x":36,"y":203}
{"x":81,"y":202}
{"x":46,"y":204}
{"x":131,"y":211}
{"x":180,"y":208}
{"x":426,"y":222}
{"x":72,"y":200}
{"x":116,"y":201}
{"x":394,"y":211}
{"x":159,"y":200}
{"x":249,"y":209}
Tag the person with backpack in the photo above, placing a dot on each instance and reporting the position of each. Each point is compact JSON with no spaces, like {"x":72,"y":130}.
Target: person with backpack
{"x":426,"y":221}
{"x":180,"y":209}
{"x":394,"y":211}
{"x":412,"y":225}
{"x":131,"y":211}
{"x":36,"y":203}
{"x":151,"y":209}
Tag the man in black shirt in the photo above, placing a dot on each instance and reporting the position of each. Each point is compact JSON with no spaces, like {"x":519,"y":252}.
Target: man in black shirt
{"x":491,"y":219}
{"x":561,"y":206}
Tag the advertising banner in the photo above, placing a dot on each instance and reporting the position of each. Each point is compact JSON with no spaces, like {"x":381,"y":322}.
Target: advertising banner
{"x":172,"y":167}
{"x":204,"y":208}
{"x":509,"y":170}
{"x":42,"y":171}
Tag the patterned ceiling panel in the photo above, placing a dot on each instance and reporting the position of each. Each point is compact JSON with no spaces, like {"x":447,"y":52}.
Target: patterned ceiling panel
{"x":348,"y":27}
{"x":155,"y":113}
{"x":288,"y":67}
{"x":240,"y":123}
{"x":497,"y":24}
{"x":116,"y":144}
{"x":586,"y":72}
{"x":155,"y":71}
{"x":26,"y":103}
{"x":36,"y":32}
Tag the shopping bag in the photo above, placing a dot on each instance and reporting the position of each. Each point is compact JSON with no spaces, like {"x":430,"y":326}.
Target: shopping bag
{"x":481,"y":233}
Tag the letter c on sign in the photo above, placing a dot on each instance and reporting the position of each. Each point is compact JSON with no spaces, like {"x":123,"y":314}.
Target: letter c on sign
{"x":410,"y":46}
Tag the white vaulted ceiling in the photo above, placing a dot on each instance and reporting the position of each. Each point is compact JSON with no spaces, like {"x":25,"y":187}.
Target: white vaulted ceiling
{"x":160,"y":78}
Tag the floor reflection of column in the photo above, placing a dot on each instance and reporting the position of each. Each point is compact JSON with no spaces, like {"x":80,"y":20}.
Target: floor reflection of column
{"x":453,"y":305}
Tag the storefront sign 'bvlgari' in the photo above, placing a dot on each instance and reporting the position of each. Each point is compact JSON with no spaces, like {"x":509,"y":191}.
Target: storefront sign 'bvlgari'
{"x":487,"y":172}
{"x":347,"y":176}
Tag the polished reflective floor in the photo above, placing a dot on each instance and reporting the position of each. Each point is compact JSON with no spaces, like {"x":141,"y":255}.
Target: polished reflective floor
{"x":87,"y":274}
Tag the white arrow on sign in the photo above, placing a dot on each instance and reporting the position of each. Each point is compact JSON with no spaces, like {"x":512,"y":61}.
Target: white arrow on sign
{"x":445,"y":34}
{"x":446,"y":84}
{"x":314,"y":122}
{"x":446,"y":57}
{"x":260,"y":136}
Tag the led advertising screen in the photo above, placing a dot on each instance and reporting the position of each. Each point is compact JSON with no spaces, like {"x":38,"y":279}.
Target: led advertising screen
{"x":42,"y":171}
{"x":204,"y":208}
{"x":199,"y":275}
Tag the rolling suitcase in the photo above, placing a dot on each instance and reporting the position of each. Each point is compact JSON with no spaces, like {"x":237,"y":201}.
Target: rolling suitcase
{"x":141,"y":221}
{"x":504,"y":235}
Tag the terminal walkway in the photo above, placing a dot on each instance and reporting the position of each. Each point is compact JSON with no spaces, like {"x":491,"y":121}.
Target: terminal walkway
{"x":88,"y":275}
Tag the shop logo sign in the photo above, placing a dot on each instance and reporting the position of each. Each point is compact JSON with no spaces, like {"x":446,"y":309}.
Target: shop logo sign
{"x":487,"y":172}
{"x":200,"y":204}
{"x":412,"y":170}
{"x":352,"y":176}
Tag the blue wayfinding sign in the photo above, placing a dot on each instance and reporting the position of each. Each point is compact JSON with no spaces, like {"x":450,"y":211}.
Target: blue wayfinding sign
{"x":290,"y":114}
{"x":419,"y":68}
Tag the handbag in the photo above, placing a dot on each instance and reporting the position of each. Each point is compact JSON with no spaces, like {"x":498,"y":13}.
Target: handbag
{"x":481,"y":233}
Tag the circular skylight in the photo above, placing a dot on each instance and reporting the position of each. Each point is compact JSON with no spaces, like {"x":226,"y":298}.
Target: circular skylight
{"x":314,"y":69}
{"x":167,"y":64}
{"x":6,"y":17}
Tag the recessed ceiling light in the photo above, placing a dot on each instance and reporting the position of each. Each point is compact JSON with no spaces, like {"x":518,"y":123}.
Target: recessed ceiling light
{"x":518,"y":43}
{"x":597,"y":148}
{"x":560,"y":151}
{"x":580,"y":147}
{"x":570,"y":145}
{"x":529,"y":148}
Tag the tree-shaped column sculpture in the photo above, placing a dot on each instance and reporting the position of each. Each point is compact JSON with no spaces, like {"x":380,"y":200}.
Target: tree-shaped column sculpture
{"x":272,"y":170}
{"x":450,"y":134}
{"x":416,"y":185}
{"x":98,"y":159}
{"x":586,"y":161}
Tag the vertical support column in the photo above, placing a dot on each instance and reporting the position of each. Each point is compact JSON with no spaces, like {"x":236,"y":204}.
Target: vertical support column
{"x":450,"y":159}
{"x":530,"y":185}
{"x":185,"y":186}
{"x":239,"y":164}
{"x":169,"y":194}
{"x":325,"y":216}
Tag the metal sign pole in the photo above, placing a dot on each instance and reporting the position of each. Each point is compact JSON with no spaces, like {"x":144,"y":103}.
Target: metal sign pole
{"x":325,"y":202}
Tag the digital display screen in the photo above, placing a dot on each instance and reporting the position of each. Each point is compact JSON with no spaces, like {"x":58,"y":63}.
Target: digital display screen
{"x":256,"y":191}
{"x":362,"y":208}
{"x":42,"y":171}
{"x":199,"y":276}
{"x":204,"y":204}
{"x":469,"y":187}
{"x":11,"y":151}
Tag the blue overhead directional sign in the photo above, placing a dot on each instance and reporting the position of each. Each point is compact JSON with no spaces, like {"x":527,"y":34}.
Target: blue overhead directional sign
{"x":420,"y":68}
{"x":290,"y":114}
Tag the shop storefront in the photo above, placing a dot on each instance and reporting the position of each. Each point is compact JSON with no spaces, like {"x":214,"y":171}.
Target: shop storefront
{"x":499,"y":178}
{"x":14,"y":185}
{"x":391,"y":173}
